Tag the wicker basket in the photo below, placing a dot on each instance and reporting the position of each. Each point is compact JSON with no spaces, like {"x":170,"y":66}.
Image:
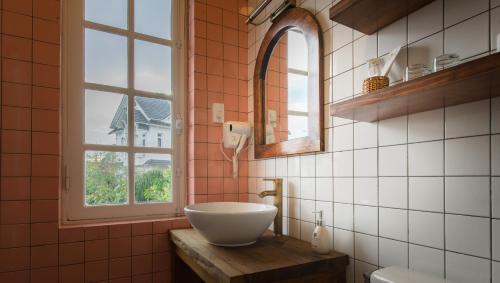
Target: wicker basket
{"x":375,"y":83}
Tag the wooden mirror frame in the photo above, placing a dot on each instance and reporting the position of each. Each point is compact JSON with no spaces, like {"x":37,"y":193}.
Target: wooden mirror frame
{"x":304,"y":21}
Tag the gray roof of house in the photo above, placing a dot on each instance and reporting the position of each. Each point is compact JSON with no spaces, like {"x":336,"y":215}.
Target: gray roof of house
{"x":157,"y":162}
{"x":147,"y":111}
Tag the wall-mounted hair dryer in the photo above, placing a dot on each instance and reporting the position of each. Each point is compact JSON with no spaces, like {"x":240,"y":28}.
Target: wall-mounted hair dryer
{"x":235,"y":135}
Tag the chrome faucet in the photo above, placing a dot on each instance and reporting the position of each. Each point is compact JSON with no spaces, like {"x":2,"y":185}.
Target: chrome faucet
{"x":278,"y":202}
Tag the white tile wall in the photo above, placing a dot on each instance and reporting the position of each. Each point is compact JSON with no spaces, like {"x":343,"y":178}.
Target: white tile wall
{"x":495,"y":155}
{"x":393,"y":160}
{"x":464,"y":268}
{"x":391,"y":36}
{"x":344,"y":241}
{"x":365,"y":191}
{"x":393,"y":192}
{"x":343,"y":189}
{"x":426,"y":193}
{"x":324,"y":165}
{"x":342,"y":36}
{"x":394,"y":223}
{"x":476,"y":41}
{"x":495,"y":114}
{"x":393,"y":131}
{"x":426,"y":126}
{"x":365,"y":162}
{"x":414,"y":190}
{"x":468,"y":195}
{"x":366,"y":248}
{"x":425,"y":21}
{"x":468,"y":156}
{"x":469,"y":119}
{"x":495,"y":197}
{"x":366,"y":219}
{"x":324,"y":190}
{"x":427,"y":260}
{"x":342,"y":60}
{"x":361,"y":268}
{"x":343,"y":86}
{"x":307,"y":188}
{"x":425,"y":159}
{"x":365,"y":48}
{"x":459,"y":10}
{"x":495,"y":28}
{"x":393,"y":253}
{"x":496,"y":239}
{"x":426,"y":228}
{"x":467,"y":234}
{"x":496,"y":272}
{"x":365,"y":135}
{"x":343,"y":216}
{"x":343,"y":137}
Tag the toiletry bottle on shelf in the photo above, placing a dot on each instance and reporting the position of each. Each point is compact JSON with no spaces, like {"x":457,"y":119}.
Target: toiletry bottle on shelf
{"x":320,"y":242}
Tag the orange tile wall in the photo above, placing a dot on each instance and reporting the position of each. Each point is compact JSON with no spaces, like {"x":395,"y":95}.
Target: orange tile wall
{"x":277,"y":88}
{"x":33,"y":248}
{"x":218,"y":57}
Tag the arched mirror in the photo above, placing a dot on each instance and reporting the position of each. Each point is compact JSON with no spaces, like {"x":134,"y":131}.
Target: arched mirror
{"x":288,"y":92}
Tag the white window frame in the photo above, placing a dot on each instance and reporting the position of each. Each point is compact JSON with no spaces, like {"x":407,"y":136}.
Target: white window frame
{"x":73,"y":147}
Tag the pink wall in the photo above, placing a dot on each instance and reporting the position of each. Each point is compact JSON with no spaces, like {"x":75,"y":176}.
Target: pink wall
{"x":32,"y":246}
{"x":218,"y":71}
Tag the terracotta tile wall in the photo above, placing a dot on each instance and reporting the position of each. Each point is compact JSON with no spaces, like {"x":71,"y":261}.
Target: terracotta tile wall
{"x":32,"y":246}
{"x":218,"y":57}
{"x":277,"y":89}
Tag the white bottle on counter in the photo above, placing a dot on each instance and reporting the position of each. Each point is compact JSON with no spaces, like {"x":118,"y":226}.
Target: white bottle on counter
{"x":320,"y":242}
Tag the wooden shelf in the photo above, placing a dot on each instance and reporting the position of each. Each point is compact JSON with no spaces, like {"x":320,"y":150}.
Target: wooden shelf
{"x":368,"y":16}
{"x":467,"y":82}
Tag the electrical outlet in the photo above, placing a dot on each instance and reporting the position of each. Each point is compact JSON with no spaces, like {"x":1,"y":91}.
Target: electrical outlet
{"x":218,"y":113}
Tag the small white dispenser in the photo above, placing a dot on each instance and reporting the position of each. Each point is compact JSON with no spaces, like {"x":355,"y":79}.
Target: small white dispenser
{"x":320,"y":242}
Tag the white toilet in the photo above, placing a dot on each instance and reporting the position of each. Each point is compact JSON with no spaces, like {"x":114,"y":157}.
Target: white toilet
{"x":396,"y":274}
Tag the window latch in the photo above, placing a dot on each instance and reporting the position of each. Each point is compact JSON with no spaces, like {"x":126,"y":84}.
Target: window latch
{"x":179,"y":125}
{"x":178,"y":172}
{"x":66,"y":178}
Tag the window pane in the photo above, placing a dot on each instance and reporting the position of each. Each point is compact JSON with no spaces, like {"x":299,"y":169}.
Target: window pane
{"x":297,"y":127}
{"x":152,"y":122}
{"x":153,"y":67}
{"x":106,"y":178}
{"x":154,"y":17}
{"x":105,"y":58}
{"x":106,"y":118}
{"x":297,"y":49}
{"x":153,"y":177}
{"x":108,"y":12}
{"x":297,"y":92}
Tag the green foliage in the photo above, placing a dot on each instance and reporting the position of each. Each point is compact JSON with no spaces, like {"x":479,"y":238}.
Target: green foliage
{"x":154,"y":185}
{"x":106,"y":181}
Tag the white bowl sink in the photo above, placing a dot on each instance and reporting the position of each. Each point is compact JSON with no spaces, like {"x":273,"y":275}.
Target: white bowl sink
{"x":231,"y":224}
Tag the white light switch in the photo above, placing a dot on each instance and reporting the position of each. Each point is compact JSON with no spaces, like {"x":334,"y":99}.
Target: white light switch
{"x":272,"y":118}
{"x":218,"y":112}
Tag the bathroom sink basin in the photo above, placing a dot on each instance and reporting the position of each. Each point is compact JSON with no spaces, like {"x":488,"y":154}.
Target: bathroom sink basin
{"x":230,"y":224}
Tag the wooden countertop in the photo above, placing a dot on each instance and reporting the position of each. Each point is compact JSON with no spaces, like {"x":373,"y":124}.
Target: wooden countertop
{"x":270,"y":259}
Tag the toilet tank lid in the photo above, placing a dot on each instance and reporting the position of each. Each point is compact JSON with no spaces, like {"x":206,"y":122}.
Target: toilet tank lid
{"x":396,"y":274}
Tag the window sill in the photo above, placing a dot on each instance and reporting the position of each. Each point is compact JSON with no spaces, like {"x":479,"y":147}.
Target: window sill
{"x":178,"y":221}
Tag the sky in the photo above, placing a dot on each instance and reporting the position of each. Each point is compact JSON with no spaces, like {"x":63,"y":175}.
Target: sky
{"x":106,"y":58}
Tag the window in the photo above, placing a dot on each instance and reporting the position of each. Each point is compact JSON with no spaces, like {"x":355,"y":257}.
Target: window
{"x":297,"y":85}
{"x":123,"y":81}
{"x":159,"y":139}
